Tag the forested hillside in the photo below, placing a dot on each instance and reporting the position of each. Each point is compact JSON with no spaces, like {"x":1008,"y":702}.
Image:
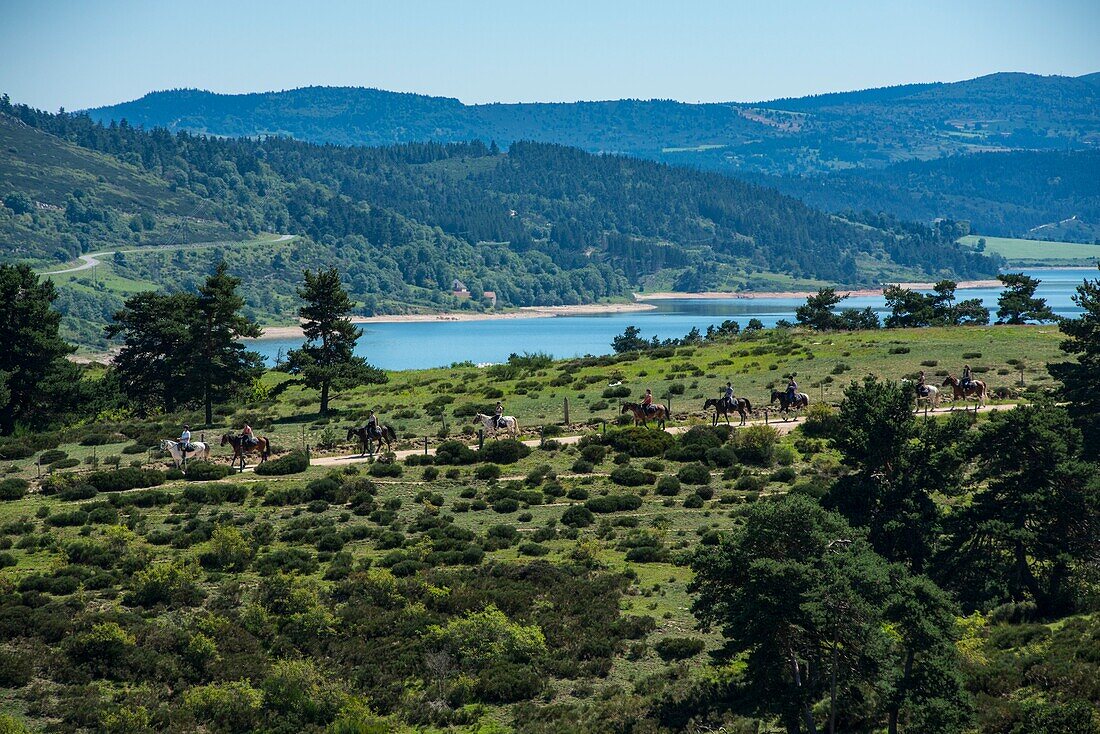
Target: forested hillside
{"x":541,"y":224}
{"x":1032,"y":194}
{"x":869,"y":128}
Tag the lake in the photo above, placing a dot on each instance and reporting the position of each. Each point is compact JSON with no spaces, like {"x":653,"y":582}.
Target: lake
{"x":418,"y":345}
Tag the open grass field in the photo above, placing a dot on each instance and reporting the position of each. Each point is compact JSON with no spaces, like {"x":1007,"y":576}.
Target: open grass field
{"x":1037,"y":252}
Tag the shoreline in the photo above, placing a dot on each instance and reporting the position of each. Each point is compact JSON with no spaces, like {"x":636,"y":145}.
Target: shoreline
{"x":753,"y":295}
{"x":524,"y":312}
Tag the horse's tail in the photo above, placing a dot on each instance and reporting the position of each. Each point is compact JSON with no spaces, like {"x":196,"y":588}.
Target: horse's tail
{"x":515,"y":425}
{"x":267,"y":448}
{"x":748,"y":405}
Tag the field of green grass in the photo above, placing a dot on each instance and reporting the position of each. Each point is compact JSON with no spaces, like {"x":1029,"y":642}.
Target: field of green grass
{"x":1037,"y":252}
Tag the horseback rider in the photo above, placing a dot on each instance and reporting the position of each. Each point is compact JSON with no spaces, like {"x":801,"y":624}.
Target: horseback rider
{"x":498,"y":415}
{"x":246,"y":436}
{"x":731,"y":401}
{"x":647,"y":401}
{"x":922,"y":389}
{"x":967,"y":377}
{"x":372,"y":425}
{"x":185,"y":439}
{"x":792,"y":390}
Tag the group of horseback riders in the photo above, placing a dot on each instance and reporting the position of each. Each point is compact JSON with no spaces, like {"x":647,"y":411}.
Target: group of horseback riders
{"x":966,"y":382}
{"x":248,"y":439}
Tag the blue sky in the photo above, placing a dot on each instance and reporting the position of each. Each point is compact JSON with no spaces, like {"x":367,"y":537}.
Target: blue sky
{"x":81,"y":53}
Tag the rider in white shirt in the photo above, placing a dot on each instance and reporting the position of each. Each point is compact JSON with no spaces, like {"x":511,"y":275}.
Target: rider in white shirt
{"x":185,"y":438}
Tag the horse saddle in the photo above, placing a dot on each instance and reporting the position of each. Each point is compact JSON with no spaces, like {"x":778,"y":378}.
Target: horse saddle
{"x":187,"y":448}
{"x":251,"y":440}
{"x":923,"y":391}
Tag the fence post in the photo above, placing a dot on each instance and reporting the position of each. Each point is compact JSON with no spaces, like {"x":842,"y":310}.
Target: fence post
{"x":425,"y":445}
{"x":565,"y":402}
{"x":542,"y":436}
{"x":767,"y":412}
{"x":480,"y":439}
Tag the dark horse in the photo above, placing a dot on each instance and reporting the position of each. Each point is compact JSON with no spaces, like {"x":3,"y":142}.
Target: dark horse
{"x":240,"y":448}
{"x":722,"y":408}
{"x":641,"y":417}
{"x":801,"y":400}
{"x":384,"y":434}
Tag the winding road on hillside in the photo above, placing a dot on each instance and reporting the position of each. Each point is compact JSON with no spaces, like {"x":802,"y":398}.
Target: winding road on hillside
{"x":92,"y":259}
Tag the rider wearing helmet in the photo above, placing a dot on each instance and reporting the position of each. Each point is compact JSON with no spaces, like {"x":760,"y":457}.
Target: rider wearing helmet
{"x":185,"y":438}
{"x":792,"y":390}
{"x":922,"y":389}
{"x":647,"y":401}
{"x":728,"y":396}
{"x":967,"y":377}
{"x":372,"y":424}
{"x":498,"y":415}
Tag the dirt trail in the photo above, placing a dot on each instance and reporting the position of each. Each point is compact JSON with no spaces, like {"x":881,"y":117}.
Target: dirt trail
{"x":783,"y":427}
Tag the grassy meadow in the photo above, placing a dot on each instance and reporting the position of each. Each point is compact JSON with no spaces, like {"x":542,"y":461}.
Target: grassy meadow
{"x":1023,"y":253}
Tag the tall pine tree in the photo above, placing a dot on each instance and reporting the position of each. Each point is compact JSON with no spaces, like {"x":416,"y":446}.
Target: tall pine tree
{"x":1081,"y":378}
{"x":36,"y":381}
{"x":327,"y":360}
{"x":222,"y":366}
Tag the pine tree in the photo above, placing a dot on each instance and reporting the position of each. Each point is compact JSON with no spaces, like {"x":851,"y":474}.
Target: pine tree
{"x":327,"y":360}
{"x":36,"y":381}
{"x":1081,"y":378}
{"x":1018,"y":304}
{"x":222,"y":365}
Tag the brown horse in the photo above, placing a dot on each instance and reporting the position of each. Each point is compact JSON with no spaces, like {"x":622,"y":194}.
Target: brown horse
{"x":975,"y":391}
{"x":641,"y":417}
{"x":385,"y":434}
{"x":801,"y":400}
{"x":240,"y":449}
{"x":722,"y":408}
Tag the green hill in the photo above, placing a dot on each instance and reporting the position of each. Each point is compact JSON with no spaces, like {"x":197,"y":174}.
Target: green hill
{"x":540,"y":225}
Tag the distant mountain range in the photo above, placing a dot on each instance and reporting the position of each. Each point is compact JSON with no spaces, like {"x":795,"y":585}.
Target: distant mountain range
{"x":917,"y":152}
{"x":828,"y":132}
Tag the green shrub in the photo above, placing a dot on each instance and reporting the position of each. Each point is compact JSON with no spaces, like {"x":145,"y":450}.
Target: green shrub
{"x":52,"y":455}
{"x":577,"y":516}
{"x":385,"y":469}
{"x":15,"y":450}
{"x":580,"y":466}
{"x":756,"y":444}
{"x":504,"y":451}
{"x":722,"y":457}
{"x":678,"y":648}
{"x":614,"y":503}
{"x":455,"y":453}
{"x":293,"y":463}
{"x":505,"y":505}
{"x":577,"y":493}
{"x":668,"y":487}
{"x":533,"y":549}
{"x":100,"y":439}
{"x":785,"y":474}
{"x":430,"y":474}
{"x":134,"y":448}
{"x":594,"y":453}
{"x":65,"y":464}
{"x":206,"y":471}
{"x":694,"y":474}
{"x":69,"y":519}
{"x":619,"y":391}
{"x":124,"y":479}
{"x":640,"y":442}
{"x":13,"y":489}
{"x":486,"y":472}
{"x":693,"y":501}
{"x":821,"y":421}
{"x":628,"y":476}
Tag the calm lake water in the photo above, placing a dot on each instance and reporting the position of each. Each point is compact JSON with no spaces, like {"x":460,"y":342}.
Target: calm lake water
{"x":421,"y":345}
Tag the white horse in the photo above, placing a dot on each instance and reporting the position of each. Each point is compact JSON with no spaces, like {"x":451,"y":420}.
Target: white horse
{"x":932,"y":397}
{"x":199,"y":451}
{"x":511,"y":425}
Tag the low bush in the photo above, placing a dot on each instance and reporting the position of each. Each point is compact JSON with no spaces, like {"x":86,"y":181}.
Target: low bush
{"x":385,"y":469}
{"x":821,"y":421}
{"x":13,"y":489}
{"x":581,"y":466}
{"x":15,"y":450}
{"x":485,"y":472}
{"x":504,"y":451}
{"x":533,"y":549}
{"x":206,"y":471}
{"x":577,"y":516}
{"x":455,"y":453}
{"x":694,"y":474}
{"x":51,"y":455}
{"x":756,"y":444}
{"x":784,"y":474}
{"x":134,"y":448}
{"x":693,"y":501}
{"x":618,"y":391}
{"x":64,"y":464}
{"x":614,"y":503}
{"x":293,"y":463}
{"x":628,"y":476}
{"x":640,"y":442}
{"x":668,"y":487}
{"x":124,"y":479}
{"x":678,"y":648}
{"x":430,"y":474}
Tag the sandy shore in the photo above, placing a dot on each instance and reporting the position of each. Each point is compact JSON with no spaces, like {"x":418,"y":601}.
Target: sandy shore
{"x":526,"y":312}
{"x":749,"y":295}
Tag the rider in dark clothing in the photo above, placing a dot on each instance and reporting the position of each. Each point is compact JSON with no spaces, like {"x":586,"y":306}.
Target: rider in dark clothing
{"x":372,"y":424}
{"x":498,"y":415}
{"x":792,"y":391}
{"x":247,"y":436}
{"x":922,"y":389}
{"x":967,"y":377}
{"x":647,"y":401}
